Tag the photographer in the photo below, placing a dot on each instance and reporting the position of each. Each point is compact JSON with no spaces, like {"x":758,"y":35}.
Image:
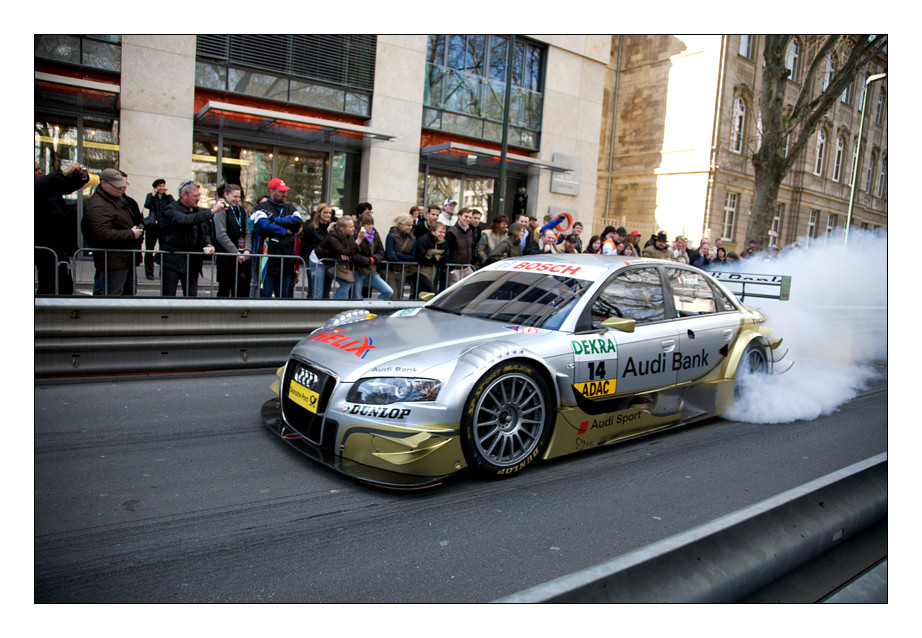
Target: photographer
{"x":186,"y":229}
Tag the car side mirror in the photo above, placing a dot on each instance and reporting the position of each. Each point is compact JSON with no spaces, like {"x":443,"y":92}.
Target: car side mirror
{"x":619,"y":323}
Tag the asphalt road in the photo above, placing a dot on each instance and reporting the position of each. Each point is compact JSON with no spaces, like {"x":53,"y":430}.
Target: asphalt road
{"x":170,"y":489}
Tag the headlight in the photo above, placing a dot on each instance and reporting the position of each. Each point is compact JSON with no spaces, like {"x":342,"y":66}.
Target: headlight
{"x":383,"y":390}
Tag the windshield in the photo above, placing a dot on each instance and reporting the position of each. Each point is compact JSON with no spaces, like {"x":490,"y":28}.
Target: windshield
{"x":522,"y":298}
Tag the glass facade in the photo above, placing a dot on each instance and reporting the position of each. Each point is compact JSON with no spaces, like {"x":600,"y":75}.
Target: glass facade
{"x":252,"y":165}
{"x":466,"y":88}
{"x":329,"y":72}
{"x":95,"y":51}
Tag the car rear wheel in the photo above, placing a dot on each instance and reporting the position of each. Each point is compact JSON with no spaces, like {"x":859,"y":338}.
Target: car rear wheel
{"x":507,"y":420}
{"x":753,"y":363}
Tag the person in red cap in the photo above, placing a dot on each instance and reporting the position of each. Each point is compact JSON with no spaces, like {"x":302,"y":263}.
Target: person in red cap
{"x":276,"y":224}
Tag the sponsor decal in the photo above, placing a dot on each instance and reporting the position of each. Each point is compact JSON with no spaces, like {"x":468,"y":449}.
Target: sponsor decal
{"x":660,"y":364}
{"x":529,"y":330}
{"x":568,"y":270}
{"x":357,"y":346}
{"x":377,"y":411}
{"x":592,"y":389}
{"x":541,"y":266}
{"x":393,"y":369}
{"x":594,"y":346}
{"x":406,"y":312}
{"x":621,"y":418}
{"x":305,"y":397}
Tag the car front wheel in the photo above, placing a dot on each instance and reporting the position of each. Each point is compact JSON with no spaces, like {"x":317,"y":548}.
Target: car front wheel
{"x":507,"y":420}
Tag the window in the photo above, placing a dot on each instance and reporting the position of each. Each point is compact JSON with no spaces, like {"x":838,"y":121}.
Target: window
{"x":869,"y":180}
{"x":813,"y":224}
{"x":635,"y":294}
{"x":832,"y":220}
{"x":746,"y":46}
{"x":775,"y":231}
{"x":793,"y":59}
{"x":94,"y":51}
{"x":331,"y":72}
{"x":840,"y":157}
{"x":830,"y":71}
{"x":738,"y":126}
{"x":466,"y":85}
{"x":864,"y":87}
{"x":728,"y":229}
{"x":847,"y":94}
{"x":691,"y":293}
{"x":881,"y":105}
{"x":882,"y":178}
{"x":820,"y":152}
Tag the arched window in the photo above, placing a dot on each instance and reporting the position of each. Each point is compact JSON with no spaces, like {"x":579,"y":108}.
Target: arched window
{"x":840,"y":159}
{"x":739,"y":125}
{"x":820,"y":151}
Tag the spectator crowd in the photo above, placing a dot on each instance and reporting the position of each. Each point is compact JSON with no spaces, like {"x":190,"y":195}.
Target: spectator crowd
{"x":259,"y":250}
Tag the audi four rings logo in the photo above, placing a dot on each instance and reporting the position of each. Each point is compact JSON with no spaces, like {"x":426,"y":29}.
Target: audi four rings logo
{"x":306,"y":378}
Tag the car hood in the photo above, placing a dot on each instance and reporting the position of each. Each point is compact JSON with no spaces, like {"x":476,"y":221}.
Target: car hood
{"x":407,"y":342}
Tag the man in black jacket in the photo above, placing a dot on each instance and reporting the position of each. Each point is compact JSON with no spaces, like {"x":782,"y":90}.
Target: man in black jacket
{"x":186,"y":229}
{"x":156,"y":202}
{"x":55,"y":226}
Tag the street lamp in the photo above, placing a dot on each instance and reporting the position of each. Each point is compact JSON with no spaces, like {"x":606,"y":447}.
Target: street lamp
{"x":857,"y":166}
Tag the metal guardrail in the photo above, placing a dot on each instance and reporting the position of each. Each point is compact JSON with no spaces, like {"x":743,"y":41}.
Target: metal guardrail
{"x":730,"y":558}
{"x":407,"y":278}
{"x":107,"y":335}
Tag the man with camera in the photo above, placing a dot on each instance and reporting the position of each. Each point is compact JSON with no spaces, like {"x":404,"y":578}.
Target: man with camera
{"x":110,"y":227}
{"x":186,"y":238}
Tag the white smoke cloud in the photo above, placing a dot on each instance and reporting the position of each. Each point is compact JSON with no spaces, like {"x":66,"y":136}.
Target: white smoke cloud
{"x":834,"y":327}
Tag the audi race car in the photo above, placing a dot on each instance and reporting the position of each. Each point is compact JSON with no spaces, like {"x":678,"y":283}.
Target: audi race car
{"x":529,"y":358}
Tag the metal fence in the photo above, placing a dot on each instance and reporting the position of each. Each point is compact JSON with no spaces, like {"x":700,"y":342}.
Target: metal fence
{"x":310,"y":280}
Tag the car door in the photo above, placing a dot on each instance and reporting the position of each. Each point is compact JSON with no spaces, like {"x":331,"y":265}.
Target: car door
{"x":614,"y":363}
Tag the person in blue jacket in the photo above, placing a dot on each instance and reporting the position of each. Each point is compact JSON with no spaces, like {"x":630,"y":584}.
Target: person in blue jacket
{"x":276,"y":224}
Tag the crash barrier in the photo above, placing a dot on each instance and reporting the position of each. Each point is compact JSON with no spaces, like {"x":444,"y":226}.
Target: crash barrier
{"x":734,"y":556}
{"x":98,"y":335}
{"x":407,"y":279}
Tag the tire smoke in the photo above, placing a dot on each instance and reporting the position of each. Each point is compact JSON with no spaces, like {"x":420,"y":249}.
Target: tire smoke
{"x":834,"y":327}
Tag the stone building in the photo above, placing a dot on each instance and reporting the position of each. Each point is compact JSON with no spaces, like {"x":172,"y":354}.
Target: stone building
{"x":681,"y":122}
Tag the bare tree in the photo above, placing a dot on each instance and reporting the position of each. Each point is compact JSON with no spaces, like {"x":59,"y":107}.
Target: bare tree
{"x":796,"y":124}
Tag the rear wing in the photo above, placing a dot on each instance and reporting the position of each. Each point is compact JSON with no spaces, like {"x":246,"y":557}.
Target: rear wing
{"x":752,"y":285}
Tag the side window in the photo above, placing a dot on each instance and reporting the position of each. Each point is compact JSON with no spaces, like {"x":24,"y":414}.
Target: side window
{"x":691,"y":293}
{"x":633,"y":294}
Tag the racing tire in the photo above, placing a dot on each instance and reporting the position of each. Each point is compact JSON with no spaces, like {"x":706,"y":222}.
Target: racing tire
{"x":506,"y":422}
{"x":753,"y":362}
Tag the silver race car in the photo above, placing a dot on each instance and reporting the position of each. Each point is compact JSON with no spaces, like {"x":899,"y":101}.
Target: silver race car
{"x":528,"y":358}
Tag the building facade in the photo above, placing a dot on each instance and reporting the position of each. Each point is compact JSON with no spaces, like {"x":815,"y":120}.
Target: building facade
{"x":343,"y":119}
{"x":680,"y":125}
